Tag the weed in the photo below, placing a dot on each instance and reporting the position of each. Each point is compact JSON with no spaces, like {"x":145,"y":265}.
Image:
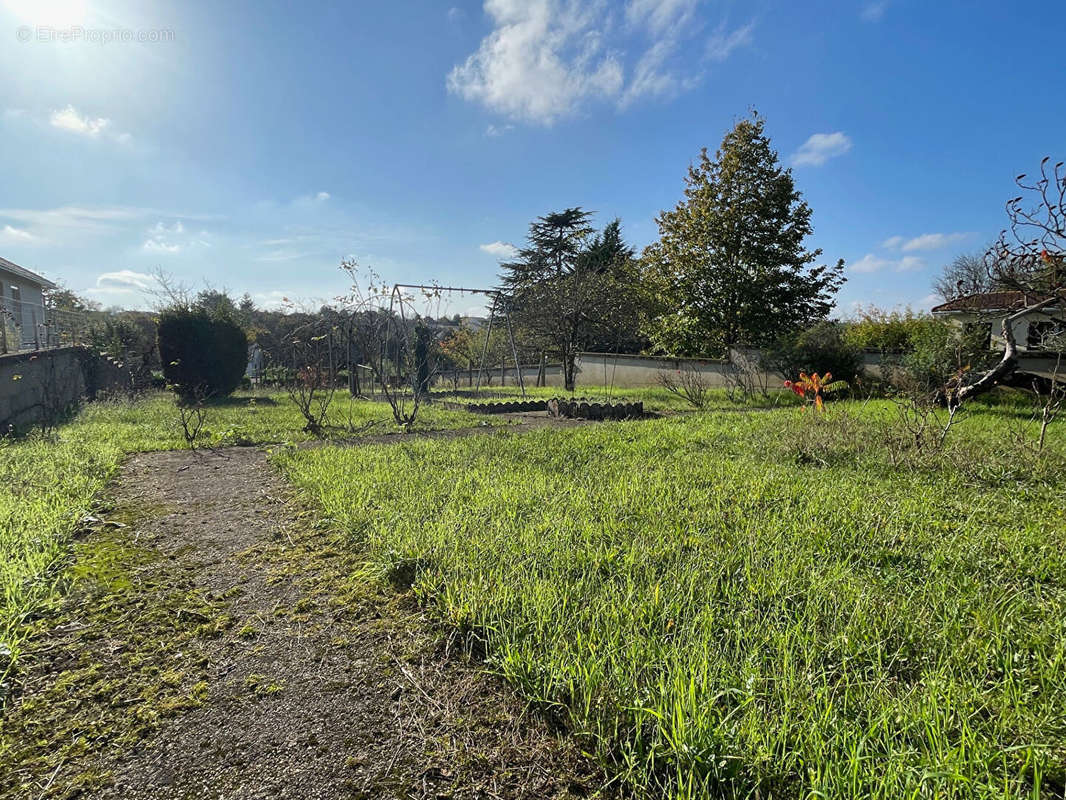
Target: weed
{"x":716,"y":618}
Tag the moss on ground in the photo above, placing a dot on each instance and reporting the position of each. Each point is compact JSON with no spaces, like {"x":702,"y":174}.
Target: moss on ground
{"x":105,"y":667}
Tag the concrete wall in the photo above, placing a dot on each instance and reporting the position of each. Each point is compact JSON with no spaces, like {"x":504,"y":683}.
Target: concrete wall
{"x":596,"y":370}
{"x":603,"y":369}
{"x":494,"y":376}
{"x":35,"y":386}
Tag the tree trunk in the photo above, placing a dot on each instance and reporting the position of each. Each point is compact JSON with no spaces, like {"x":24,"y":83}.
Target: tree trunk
{"x":1007,"y":365}
{"x":568,"y":370}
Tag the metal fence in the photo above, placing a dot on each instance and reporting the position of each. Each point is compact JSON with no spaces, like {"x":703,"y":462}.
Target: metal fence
{"x":26,"y":326}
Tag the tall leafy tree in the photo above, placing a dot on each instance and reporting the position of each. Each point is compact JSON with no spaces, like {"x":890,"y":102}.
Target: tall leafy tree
{"x":568,"y":286}
{"x":730,"y":266}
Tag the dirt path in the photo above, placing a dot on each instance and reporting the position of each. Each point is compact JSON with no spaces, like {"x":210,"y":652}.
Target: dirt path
{"x":238,"y":656}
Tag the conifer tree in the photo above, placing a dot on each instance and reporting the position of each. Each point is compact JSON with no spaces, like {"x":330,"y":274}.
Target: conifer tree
{"x":730,"y":266}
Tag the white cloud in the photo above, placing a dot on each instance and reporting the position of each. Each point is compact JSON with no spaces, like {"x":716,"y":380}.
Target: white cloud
{"x":653,"y":78}
{"x":283,"y":254}
{"x":932,"y":241}
{"x":929,"y":301}
{"x":870,"y":263}
{"x":126,"y":279}
{"x":722,"y":43}
{"x":539,"y":62}
{"x":545,"y":59}
{"x":69,"y":222}
{"x":892,"y":242}
{"x":668,"y":23}
{"x":873,"y":11}
{"x":873,"y":263}
{"x":160,"y":238}
{"x":821,"y":147}
{"x":71,"y":120}
{"x":75,"y":224}
{"x":12,"y":235}
{"x":660,"y":16}
{"x":498,"y":249}
{"x":909,"y":263}
{"x":498,"y":130}
{"x":161,"y":228}
{"x":322,"y":196}
{"x":159,"y":246}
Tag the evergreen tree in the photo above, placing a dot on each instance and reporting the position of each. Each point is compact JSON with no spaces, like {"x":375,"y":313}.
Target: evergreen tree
{"x":730,"y":266}
{"x":568,"y":286}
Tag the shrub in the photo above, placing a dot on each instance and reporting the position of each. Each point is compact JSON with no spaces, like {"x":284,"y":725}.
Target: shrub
{"x":939,"y":355}
{"x":888,"y":331}
{"x":202,"y":356}
{"x":820,"y":348}
{"x":687,"y":383}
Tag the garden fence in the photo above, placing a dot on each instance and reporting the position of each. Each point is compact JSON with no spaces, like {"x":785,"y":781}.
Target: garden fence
{"x":26,"y":326}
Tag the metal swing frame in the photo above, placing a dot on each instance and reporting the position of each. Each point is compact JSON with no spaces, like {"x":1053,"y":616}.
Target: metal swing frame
{"x":397,"y":298}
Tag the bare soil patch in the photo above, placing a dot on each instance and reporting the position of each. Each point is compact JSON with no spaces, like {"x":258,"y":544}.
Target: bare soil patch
{"x":221,"y":645}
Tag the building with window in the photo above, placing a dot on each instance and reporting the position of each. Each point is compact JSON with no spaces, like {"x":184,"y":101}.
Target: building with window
{"x":22,"y":311}
{"x":1036,"y":332}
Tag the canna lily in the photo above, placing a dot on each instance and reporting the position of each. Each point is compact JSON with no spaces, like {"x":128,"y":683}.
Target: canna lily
{"x":814,"y":383}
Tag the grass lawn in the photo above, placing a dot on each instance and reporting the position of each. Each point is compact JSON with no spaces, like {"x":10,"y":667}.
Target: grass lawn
{"x":151,"y":423}
{"x":48,"y":483}
{"x":655,"y":398}
{"x":748,"y":605}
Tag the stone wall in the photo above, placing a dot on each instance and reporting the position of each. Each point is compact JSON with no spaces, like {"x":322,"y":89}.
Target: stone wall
{"x":45,"y":384}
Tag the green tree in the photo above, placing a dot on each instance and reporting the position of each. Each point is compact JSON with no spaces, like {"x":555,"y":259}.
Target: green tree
{"x":570,"y":287}
{"x":730,"y":266}
{"x":60,"y":298}
{"x":217,"y":304}
{"x":202,"y":356}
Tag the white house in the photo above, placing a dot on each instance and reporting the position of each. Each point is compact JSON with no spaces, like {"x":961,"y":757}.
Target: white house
{"x":21,"y":305}
{"x":1033,"y":332}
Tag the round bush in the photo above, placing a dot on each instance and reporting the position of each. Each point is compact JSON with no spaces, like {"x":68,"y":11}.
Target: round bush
{"x":202,"y":357}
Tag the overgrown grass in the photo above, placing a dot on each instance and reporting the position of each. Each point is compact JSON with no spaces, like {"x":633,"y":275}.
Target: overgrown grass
{"x":722,"y":614}
{"x":151,"y":422}
{"x":46,"y":486}
{"x":48,"y":483}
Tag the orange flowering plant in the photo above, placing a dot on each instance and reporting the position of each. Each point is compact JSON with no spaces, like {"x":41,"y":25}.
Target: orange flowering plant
{"x":812,"y":388}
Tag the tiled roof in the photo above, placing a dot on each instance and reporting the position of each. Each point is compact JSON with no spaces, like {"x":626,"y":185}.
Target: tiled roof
{"x":22,"y":272}
{"x":986,"y":301}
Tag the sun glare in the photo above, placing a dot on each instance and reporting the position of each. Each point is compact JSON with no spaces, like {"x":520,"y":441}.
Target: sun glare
{"x":49,"y":13}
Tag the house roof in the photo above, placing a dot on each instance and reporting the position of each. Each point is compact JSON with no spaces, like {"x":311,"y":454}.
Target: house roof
{"x":986,"y":301}
{"x":22,"y":272}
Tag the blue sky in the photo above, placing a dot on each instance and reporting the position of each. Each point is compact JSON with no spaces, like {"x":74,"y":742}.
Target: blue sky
{"x":252,"y":145}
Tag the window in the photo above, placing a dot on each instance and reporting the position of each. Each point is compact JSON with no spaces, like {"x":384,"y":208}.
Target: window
{"x":16,"y":305}
{"x":1044,"y":334}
